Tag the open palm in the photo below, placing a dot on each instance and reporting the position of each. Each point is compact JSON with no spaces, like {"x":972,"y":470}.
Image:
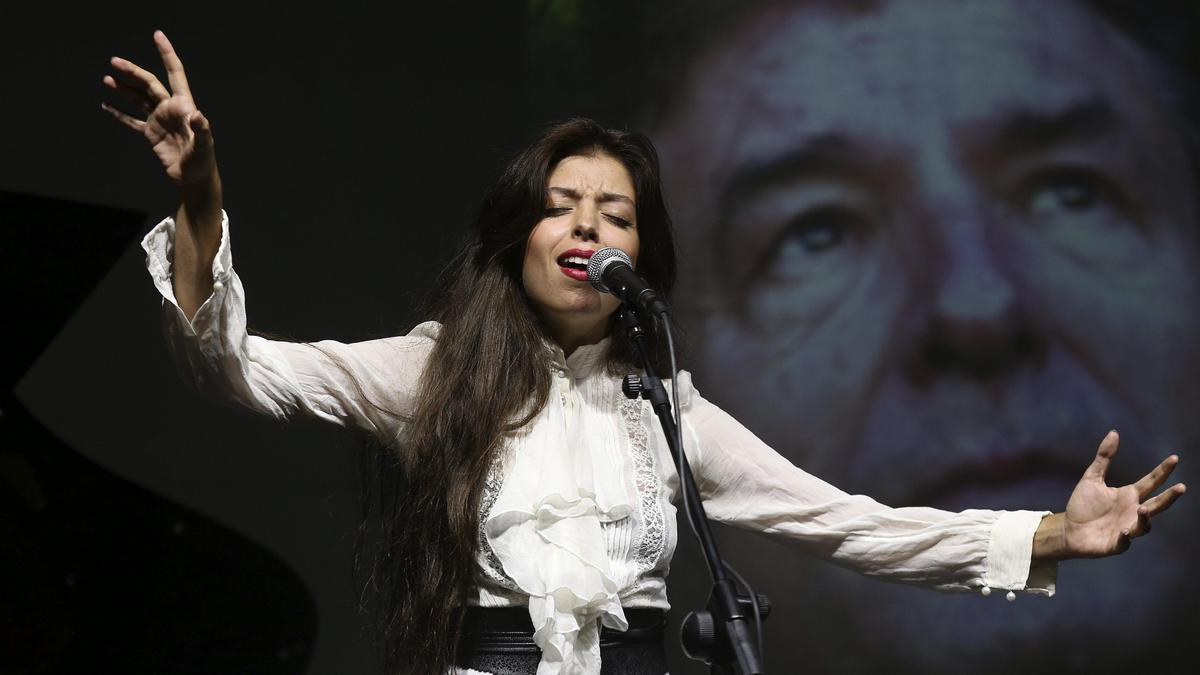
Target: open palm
{"x":1102,"y":520}
{"x":177,"y":131}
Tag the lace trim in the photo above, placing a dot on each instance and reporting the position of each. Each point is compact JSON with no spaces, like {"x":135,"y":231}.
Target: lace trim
{"x":653,"y":535}
{"x":490,"y":565}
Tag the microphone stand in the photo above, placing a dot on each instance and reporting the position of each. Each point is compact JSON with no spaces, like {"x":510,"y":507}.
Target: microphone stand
{"x":721,"y":635}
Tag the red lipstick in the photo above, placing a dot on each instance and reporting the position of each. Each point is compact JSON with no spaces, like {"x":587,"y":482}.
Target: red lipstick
{"x":573,"y":263}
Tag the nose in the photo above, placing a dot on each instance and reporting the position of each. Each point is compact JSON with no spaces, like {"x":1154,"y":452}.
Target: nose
{"x":586,"y":227}
{"x":970,"y":320}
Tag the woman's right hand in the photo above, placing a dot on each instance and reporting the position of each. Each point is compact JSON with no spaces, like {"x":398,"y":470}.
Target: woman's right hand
{"x":181,"y":138}
{"x":177,"y":131}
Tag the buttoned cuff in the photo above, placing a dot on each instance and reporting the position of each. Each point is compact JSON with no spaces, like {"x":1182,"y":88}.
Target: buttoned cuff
{"x":159,"y":245}
{"x":1010,"y":553}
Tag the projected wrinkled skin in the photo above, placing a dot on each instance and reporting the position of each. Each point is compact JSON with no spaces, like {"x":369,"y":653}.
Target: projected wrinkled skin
{"x":958,"y":244}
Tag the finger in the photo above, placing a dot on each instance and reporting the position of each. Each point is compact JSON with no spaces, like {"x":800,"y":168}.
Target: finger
{"x":175,"y":75}
{"x":1143,"y":523}
{"x":199,"y":124}
{"x":135,"y":95}
{"x":1164,"y":500}
{"x":1154,"y":480}
{"x":201,"y":131}
{"x":1104,"y":454}
{"x":144,"y":78}
{"x":128,"y":120}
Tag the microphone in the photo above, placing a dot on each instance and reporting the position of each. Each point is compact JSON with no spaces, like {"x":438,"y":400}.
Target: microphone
{"x":610,"y":270}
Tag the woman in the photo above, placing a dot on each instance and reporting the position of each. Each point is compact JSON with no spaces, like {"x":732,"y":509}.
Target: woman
{"x":533,"y":488}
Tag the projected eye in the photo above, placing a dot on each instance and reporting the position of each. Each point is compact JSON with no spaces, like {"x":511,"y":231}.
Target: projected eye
{"x":1078,"y":197}
{"x":797,"y":249}
{"x":1064,"y":196}
{"x":810,"y":241}
{"x":802,"y":254}
{"x":818,"y":232}
{"x":1082,"y":213}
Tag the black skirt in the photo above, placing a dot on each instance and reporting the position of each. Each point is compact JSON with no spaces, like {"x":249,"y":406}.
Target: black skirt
{"x":500,"y":641}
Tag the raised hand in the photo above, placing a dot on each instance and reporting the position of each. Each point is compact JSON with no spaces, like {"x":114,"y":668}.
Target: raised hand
{"x":182,"y":140}
{"x":1102,"y":520}
{"x":177,"y":131}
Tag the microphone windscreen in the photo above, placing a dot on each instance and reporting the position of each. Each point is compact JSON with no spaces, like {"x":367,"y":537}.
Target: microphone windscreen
{"x":600,"y":261}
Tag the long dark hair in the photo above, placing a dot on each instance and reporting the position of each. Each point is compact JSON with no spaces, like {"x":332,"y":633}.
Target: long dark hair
{"x":487,"y":376}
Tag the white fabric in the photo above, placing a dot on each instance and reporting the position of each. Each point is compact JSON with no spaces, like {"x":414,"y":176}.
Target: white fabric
{"x":545,"y":527}
{"x":580,"y":521}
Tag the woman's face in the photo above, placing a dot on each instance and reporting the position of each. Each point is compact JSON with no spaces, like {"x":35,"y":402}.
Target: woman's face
{"x":590,"y":205}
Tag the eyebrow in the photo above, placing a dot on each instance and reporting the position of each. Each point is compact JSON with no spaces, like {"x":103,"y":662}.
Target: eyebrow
{"x":824,"y":155}
{"x":838,"y":154}
{"x":1030,"y":130}
{"x":604,"y":196}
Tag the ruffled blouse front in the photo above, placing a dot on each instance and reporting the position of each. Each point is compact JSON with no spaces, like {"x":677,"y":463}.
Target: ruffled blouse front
{"x":547,"y":529}
{"x":577,"y":518}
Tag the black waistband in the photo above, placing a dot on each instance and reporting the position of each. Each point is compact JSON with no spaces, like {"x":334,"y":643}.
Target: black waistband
{"x":511,"y":626}
{"x":499,"y":640}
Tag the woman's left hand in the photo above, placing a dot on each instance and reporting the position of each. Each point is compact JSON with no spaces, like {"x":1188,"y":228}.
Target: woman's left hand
{"x":1102,"y":520}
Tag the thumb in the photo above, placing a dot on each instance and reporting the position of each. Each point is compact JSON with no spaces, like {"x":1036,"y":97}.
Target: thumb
{"x":1104,"y":455}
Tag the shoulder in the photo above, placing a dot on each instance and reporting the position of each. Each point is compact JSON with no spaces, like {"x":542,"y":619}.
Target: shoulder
{"x":686,"y":390}
{"x":421,"y":339}
{"x":429,"y":330}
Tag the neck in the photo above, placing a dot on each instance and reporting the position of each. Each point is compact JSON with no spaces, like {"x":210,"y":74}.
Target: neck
{"x":571,"y":335}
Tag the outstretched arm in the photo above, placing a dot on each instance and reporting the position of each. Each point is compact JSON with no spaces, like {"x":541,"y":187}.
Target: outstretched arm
{"x":180,"y":136}
{"x":1100,"y":520}
{"x":369,"y":385}
{"x":747,"y":484}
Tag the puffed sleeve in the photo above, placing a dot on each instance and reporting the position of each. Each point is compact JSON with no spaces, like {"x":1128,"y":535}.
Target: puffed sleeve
{"x":745,"y":483}
{"x":368,"y":385}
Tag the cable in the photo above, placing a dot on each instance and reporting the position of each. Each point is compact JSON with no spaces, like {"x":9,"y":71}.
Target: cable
{"x":680,"y":460}
{"x":674,"y":393}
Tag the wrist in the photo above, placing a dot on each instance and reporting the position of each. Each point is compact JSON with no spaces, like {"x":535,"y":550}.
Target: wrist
{"x":202,"y":199}
{"x":1049,"y":541}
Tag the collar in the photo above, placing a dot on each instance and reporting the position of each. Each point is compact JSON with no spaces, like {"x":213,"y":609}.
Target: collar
{"x":584,"y":360}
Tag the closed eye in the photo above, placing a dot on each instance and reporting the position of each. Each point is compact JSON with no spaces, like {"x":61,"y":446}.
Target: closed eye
{"x":617,"y":220}
{"x":556,"y":211}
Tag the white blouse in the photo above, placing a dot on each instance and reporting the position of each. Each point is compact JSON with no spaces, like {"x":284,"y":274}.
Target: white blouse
{"x":578,"y":515}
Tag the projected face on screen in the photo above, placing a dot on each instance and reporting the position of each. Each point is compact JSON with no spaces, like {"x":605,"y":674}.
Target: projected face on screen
{"x":958,"y":244}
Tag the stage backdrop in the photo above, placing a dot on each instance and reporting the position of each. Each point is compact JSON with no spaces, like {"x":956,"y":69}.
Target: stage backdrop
{"x":932,"y":252}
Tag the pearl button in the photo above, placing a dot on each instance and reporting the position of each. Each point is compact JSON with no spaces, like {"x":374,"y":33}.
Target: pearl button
{"x":1011,"y":596}
{"x":217,"y":286}
{"x":986,"y":591}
